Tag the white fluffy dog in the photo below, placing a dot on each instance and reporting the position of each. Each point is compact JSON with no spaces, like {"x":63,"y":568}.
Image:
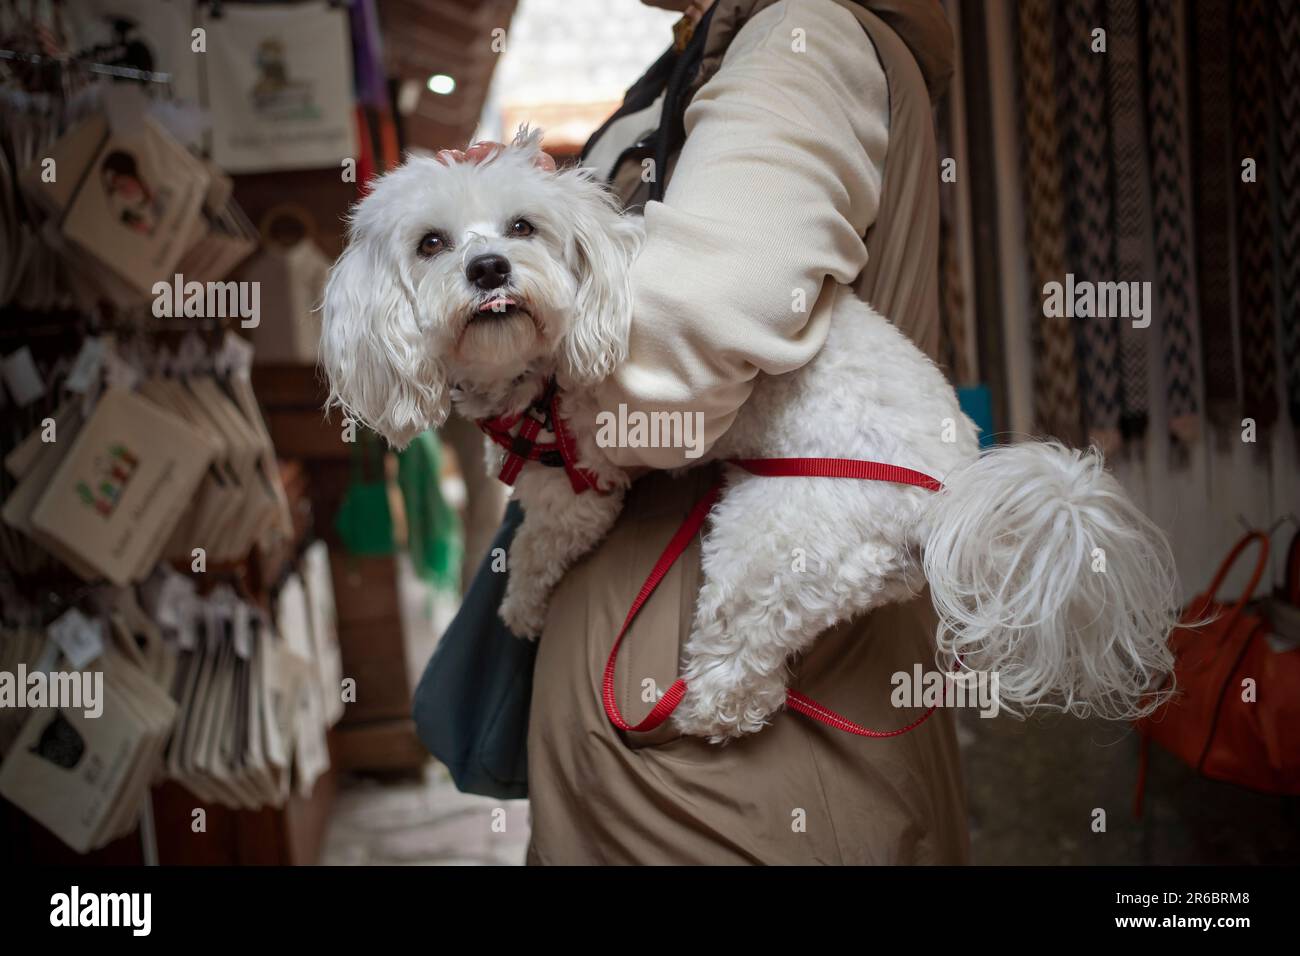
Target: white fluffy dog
{"x":476,"y":282}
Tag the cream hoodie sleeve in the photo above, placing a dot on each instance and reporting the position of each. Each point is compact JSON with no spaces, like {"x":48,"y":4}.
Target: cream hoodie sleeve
{"x":769,"y":201}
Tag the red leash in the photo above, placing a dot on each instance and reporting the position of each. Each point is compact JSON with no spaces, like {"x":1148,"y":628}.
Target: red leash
{"x":773,"y":468}
{"x":522,"y":447}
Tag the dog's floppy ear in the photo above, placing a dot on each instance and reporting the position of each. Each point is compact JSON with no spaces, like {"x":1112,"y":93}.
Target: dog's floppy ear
{"x":604,"y":244}
{"x":373,"y":351}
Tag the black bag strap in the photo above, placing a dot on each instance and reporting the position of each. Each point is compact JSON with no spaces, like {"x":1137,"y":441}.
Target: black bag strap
{"x":671,"y":75}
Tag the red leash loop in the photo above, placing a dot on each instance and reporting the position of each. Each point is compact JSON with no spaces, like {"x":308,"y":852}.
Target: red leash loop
{"x":772,"y":468}
{"x":680,"y":539}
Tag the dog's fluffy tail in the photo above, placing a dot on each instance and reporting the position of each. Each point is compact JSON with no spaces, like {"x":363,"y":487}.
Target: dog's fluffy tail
{"x":1045,"y":572}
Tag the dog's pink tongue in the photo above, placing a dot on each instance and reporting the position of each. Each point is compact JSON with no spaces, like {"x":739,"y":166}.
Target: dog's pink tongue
{"x":494,"y":305}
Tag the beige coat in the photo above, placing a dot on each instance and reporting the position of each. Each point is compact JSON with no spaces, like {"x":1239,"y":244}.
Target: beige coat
{"x":791,"y":156}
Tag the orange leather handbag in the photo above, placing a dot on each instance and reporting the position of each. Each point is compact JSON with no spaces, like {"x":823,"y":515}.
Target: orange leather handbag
{"x":1236,"y":713}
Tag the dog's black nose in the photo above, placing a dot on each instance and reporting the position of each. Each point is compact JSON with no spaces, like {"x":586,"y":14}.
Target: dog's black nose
{"x":488,"y":272}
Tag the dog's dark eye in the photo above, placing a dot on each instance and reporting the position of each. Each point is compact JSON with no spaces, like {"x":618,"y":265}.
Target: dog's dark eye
{"x":521,"y":228}
{"x":432,"y":243}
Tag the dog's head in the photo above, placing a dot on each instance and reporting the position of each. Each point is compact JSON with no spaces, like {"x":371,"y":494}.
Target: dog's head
{"x":474,"y":269}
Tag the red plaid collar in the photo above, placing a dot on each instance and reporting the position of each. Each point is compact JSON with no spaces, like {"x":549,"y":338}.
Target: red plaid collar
{"x":517,"y":434}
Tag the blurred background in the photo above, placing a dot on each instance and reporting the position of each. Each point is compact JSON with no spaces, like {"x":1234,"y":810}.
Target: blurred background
{"x":260,"y":682}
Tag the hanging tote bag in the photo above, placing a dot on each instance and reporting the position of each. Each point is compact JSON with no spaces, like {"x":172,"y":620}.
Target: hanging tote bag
{"x":1236,"y":714}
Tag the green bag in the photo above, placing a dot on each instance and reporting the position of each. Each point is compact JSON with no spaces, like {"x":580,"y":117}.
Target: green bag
{"x":364,"y":521}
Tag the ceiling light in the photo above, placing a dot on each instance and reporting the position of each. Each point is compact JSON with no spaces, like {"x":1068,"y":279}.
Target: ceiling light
{"x":441,"y":83}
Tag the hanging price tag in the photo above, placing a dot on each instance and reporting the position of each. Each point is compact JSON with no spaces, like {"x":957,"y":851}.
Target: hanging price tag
{"x":242,"y":631}
{"x":79,"y":637}
{"x":235,"y":357}
{"x":85,"y":370}
{"x":21,"y":377}
{"x":177,"y":609}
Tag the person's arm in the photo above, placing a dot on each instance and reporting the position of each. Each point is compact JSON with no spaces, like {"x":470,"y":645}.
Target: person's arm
{"x":771,"y":196}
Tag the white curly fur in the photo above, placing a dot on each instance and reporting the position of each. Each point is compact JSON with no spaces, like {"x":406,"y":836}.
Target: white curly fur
{"x":1007,"y":547}
{"x":1045,"y":572}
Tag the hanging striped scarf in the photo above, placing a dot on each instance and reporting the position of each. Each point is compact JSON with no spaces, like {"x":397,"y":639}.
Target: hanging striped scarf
{"x":1213,"y":165}
{"x":1133,"y":255}
{"x":1171,"y":214}
{"x":1287,"y":119}
{"x":1086,"y":151}
{"x":952,"y":295}
{"x":1252,"y":26}
{"x":1056,"y":386}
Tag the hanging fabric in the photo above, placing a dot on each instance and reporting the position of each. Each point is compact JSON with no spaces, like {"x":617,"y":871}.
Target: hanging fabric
{"x":1132,"y":203}
{"x":956,"y":297}
{"x":1056,"y":379}
{"x":1252,"y":24}
{"x":952,"y":298}
{"x":370,"y":78}
{"x":364,"y":522}
{"x":1175,"y":309}
{"x":1213,"y":237}
{"x":1090,"y":223}
{"x":952,"y":295}
{"x":433,"y":536}
{"x":1286,"y":101}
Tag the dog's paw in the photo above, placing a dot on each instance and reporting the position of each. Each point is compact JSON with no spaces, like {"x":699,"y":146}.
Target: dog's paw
{"x":524,"y":613}
{"x":724,"y":701}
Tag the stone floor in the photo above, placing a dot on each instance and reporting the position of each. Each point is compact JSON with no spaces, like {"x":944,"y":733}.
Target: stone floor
{"x":423,"y":821}
{"x":1034,"y":788}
